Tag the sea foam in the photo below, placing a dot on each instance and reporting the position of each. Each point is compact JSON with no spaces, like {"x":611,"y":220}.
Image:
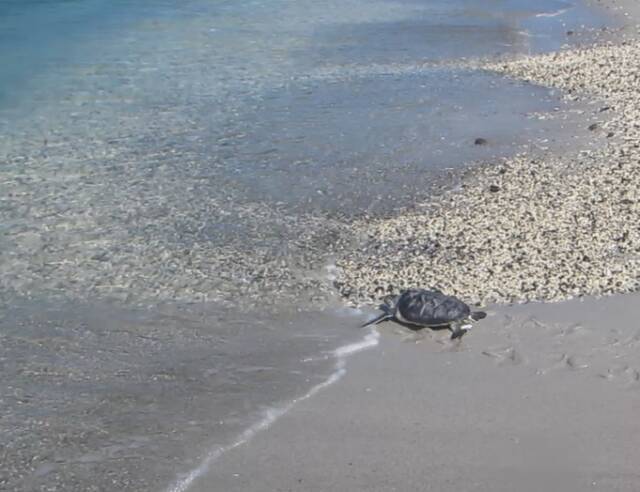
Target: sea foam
{"x":274,"y":413}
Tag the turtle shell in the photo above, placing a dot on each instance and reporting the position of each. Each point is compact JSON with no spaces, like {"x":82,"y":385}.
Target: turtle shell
{"x":430,"y":308}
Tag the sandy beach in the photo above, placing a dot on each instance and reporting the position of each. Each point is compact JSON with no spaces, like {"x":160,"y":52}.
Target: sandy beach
{"x":538,"y":397}
{"x":166,"y":327}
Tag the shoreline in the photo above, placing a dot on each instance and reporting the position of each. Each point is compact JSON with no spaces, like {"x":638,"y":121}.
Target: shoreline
{"x":566,"y":422}
{"x":539,"y":397}
{"x":317,"y":233}
{"x":272,"y":414}
{"x":547,"y":228}
{"x":147,"y":242}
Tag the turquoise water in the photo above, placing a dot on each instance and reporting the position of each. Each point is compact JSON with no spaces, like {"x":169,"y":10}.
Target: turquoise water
{"x":243,"y":40}
{"x":242,"y":86}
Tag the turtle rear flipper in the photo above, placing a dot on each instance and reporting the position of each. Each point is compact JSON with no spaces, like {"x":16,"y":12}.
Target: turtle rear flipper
{"x":379,"y":319}
{"x":457,"y":334}
{"x":387,"y":314}
{"x":458,"y":329}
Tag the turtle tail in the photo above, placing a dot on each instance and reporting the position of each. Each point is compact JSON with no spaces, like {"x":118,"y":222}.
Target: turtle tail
{"x":478,"y":315}
{"x":386,"y":315}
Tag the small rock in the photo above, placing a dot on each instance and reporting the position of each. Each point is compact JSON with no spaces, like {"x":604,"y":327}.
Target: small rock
{"x":593,"y":126}
{"x":480,"y":141}
{"x":101,"y":256}
{"x":494,"y":188}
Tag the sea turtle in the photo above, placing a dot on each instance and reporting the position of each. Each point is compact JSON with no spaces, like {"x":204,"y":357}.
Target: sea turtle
{"x":420,"y":308}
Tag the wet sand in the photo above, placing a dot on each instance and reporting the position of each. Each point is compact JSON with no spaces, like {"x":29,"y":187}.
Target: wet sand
{"x":536,"y":397}
{"x":96,"y":396}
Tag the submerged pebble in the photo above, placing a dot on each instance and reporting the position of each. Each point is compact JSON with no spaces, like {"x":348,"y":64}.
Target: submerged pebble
{"x":515,"y":230}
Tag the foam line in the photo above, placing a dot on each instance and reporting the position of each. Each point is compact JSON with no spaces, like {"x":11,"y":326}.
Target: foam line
{"x":552,"y":14}
{"x":274,"y":413}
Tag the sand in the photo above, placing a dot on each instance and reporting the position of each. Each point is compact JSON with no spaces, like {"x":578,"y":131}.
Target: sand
{"x":537,"y":397}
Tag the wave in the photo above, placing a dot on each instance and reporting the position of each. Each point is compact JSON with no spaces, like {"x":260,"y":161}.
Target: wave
{"x":555,"y":13}
{"x":274,"y":413}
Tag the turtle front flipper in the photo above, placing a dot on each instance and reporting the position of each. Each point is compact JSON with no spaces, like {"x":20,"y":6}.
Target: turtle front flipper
{"x":459,"y":328}
{"x":478,"y":315}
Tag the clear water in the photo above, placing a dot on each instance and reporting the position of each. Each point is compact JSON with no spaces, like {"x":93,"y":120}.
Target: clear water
{"x":169,"y":167}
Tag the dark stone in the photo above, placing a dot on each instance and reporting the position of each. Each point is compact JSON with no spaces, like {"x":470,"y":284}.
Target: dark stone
{"x":480,"y":141}
{"x":494,"y":188}
{"x":610,"y":134}
{"x":569,"y":33}
{"x":593,"y":126}
{"x":102,"y":256}
{"x":431,"y":247}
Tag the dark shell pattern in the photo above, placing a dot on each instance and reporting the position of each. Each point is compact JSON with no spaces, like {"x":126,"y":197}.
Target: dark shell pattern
{"x":430,"y":308}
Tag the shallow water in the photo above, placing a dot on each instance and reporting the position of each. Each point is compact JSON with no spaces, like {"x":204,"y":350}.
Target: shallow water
{"x":93,"y":390}
{"x":377,"y":142}
{"x":204,"y":155}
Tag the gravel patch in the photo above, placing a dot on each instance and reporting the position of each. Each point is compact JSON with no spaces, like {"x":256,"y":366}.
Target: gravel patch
{"x":526,"y":229}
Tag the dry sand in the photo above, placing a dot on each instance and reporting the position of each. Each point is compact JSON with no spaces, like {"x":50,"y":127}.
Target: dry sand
{"x":537,"y":397}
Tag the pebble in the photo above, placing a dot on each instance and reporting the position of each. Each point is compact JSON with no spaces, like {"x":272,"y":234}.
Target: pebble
{"x":515,"y":230}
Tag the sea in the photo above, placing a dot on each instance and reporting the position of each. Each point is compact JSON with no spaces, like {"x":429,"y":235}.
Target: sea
{"x":173,"y":174}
